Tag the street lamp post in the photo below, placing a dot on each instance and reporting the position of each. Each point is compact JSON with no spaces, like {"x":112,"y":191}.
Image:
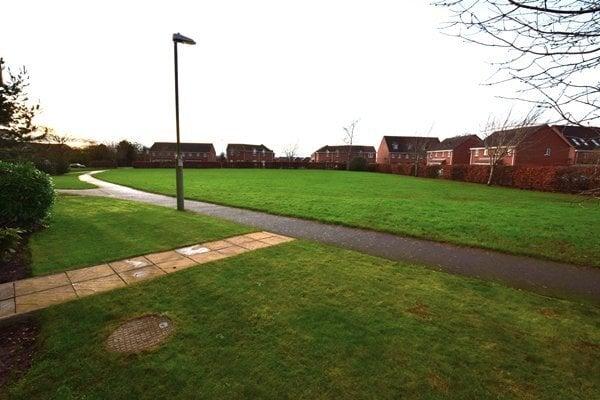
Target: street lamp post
{"x":179,"y":38}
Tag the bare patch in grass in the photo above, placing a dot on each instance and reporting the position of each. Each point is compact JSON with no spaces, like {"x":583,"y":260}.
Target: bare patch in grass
{"x":420,"y":310}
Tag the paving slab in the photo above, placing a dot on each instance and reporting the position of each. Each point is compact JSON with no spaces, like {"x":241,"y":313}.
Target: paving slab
{"x":165,"y":256}
{"x":233,"y":250}
{"x":273,"y":240}
{"x":97,"y":285}
{"x":140,"y":274}
{"x":129,"y":264}
{"x":37,"y":300}
{"x":193,"y":250}
{"x":218,"y":245}
{"x":255,"y":245}
{"x":32,"y":285}
{"x":7,"y":290}
{"x":84,"y":274}
{"x":237,"y":240}
{"x":7,"y":307}
{"x":208,"y":257}
{"x":259,"y":235}
{"x":176,"y":265}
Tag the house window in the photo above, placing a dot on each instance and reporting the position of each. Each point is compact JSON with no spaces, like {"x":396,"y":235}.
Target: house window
{"x":485,"y":152}
{"x":394,"y":146}
{"x":254,"y":152}
{"x":547,"y":153}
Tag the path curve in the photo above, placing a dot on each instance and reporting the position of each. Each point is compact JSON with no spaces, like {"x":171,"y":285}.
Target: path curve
{"x":540,"y":276}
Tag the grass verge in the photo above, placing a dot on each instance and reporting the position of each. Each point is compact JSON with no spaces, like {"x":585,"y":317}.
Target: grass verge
{"x":92,"y":230}
{"x":303,"y":320}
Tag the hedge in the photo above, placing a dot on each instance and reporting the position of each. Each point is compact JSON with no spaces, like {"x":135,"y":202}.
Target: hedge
{"x":574,"y":179}
{"x":241,"y":164}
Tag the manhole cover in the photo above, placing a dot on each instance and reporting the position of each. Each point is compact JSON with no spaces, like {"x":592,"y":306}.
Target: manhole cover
{"x":140,"y":334}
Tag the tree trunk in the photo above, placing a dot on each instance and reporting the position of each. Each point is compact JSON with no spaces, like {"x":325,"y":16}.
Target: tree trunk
{"x":491,"y":176}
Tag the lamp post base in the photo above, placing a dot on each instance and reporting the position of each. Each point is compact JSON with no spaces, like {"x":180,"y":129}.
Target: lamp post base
{"x":179,"y":179}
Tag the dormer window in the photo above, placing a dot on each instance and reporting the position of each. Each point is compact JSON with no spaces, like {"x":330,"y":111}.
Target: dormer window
{"x":394,"y":146}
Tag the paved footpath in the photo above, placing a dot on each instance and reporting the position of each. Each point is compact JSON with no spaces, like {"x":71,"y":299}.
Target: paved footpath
{"x":541,"y":276}
{"x":32,"y":294}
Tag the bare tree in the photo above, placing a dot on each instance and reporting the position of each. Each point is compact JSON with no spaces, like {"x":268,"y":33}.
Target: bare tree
{"x":502,"y":137}
{"x":552,"y":49}
{"x":418,"y":147}
{"x":291,"y":151}
{"x":349,"y":136}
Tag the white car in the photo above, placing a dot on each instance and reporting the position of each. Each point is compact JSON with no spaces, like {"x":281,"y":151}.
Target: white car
{"x":76,"y":165}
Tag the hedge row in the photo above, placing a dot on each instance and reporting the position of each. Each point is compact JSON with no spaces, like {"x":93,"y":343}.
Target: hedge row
{"x":244,"y":164}
{"x":550,"y":179}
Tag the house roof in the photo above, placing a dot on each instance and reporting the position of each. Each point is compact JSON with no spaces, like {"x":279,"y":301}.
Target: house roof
{"x":454,"y":142}
{"x":405,"y":143}
{"x":345,"y":148}
{"x":580,"y":137}
{"x":187,"y":147}
{"x":247,"y":147}
{"x":505,"y":137}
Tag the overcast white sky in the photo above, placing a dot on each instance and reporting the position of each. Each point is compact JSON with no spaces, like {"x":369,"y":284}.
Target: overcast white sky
{"x":272,"y":72}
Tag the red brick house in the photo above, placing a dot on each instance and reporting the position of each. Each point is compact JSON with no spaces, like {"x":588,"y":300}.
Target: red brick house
{"x":454,"y":150}
{"x":545,"y":145}
{"x":166,"y":151}
{"x":249,"y":153}
{"x":585,"y":142}
{"x":404,"y":149}
{"x":342,"y":154}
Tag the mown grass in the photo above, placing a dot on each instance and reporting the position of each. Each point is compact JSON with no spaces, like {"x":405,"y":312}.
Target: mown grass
{"x":92,"y":230}
{"x":555,"y":226}
{"x":70,"y":180}
{"x":303,"y":320}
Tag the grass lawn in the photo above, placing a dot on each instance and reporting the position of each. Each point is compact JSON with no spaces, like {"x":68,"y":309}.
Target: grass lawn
{"x":70,"y":180}
{"x":303,"y":320}
{"x":92,"y":230}
{"x":555,"y":226}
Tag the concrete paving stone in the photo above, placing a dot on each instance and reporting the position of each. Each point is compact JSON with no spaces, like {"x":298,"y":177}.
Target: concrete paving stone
{"x":255,"y":245}
{"x":141,"y":274}
{"x":132,"y":263}
{"x":193,"y":250}
{"x":165,"y":256}
{"x":237,"y":240}
{"x":37,"y":300}
{"x":207,"y":257}
{"x":273,"y":240}
{"x":232,"y":251}
{"x":7,"y":307}
{"x":176,"y":265}
{"x":260,"y":235}
{"x":98,"y":285}
{"x":31,"y":285}
{"x":7,"y":290}
{"x":88,"y":273}
{"x":218,"y":245}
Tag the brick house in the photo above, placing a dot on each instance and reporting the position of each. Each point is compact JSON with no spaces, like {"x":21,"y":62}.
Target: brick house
{"x":342,"y":154}
{"x":546,"y":145}
{"x":454,"y":150}
{"x":585,"y":142}
{"x":249,"y":152}
{"x":403,"y":149}
{"x":166,"y":151}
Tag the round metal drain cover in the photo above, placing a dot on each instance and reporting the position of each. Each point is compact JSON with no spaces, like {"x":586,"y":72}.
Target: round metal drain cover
{"x":140,"y":334}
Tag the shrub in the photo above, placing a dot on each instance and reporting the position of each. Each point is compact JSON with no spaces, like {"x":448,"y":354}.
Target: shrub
{"x":358,"y":164}
{"x":52,"y":167}
{"x":9,"y":239}
{"x":26,"y":195}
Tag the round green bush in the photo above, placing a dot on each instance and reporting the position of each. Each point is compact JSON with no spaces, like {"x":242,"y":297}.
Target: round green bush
{"x":26,"y":195}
